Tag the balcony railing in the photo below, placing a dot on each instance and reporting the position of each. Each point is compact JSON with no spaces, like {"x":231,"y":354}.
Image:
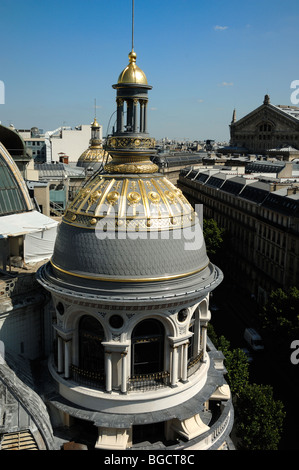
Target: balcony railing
{"x":14,"y":285}
{"x":141,"y":382}
{"x":194,"y":364}
{"x":88,"y":378}
{"x":146,"y":382}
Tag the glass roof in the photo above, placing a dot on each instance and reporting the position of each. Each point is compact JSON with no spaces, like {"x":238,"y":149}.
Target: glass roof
{"x":14,"y":196}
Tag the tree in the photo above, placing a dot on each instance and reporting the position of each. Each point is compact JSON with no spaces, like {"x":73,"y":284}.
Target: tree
{"x":237,"y":367}
{"x":236,"y":362}
{"x":259,"y":418}
{"x":212,"y":235}
{"x":281,"y":313}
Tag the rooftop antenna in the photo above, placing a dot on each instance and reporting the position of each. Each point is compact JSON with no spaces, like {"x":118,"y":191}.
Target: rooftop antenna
{"x":132,"y":25}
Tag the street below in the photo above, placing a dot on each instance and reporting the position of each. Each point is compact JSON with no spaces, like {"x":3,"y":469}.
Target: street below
{"x":231,"y":314}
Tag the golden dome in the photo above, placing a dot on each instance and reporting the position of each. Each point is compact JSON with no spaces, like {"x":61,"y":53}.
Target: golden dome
{"x":132,"y":73}
{"x":138,"y":204}
{"x":93,"y":155}
{"x":95,"y":123}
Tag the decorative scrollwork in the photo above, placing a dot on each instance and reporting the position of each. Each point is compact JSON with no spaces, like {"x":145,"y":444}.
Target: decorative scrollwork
{"x":130,"y":142}
{"x":154,"y":197}
{"x":133,"y":197}
{"x":113,"y":197}
{"x":126,"y":168}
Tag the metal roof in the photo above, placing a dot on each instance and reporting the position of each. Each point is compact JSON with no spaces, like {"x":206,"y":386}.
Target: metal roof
{"x":14,"y":196}
{"x":58,"y":170}
{"x":255,"y":190}
{"x":290,"y":110}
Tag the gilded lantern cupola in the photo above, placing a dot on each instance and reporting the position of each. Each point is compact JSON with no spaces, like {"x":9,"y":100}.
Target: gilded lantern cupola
{"x":129,"y":212}
{"x":130,"y":141}
{"x":95,"y":141}
{"x":94,"y":156}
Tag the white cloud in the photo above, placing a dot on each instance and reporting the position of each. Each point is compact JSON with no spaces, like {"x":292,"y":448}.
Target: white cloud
{"x":199,"y":101}
{"x":220,"y":28}
{"x":226,"y":84}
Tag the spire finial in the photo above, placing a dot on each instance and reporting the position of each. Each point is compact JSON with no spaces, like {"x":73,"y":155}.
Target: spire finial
{"x":132,"y":25}
{"x":234,"y":116}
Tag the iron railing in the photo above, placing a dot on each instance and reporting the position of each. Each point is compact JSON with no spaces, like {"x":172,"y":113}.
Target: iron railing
{"x":194,"y":364}
{"x":145,"y":382}
{"x":86,"y":377}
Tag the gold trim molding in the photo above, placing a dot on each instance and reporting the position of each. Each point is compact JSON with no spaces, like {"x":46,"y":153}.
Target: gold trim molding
{"x":130,"y":142}
{"x":125,"y":168}
{"x":133,"y":279}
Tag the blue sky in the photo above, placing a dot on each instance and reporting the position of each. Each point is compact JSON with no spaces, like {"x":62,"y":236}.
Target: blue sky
{"x":203,"y":58}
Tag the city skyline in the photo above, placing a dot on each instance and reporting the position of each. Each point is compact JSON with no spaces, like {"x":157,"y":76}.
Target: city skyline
{"x":203,"y":59}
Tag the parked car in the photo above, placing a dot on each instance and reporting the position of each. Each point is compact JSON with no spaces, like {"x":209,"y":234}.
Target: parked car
{"x":254,"y":340}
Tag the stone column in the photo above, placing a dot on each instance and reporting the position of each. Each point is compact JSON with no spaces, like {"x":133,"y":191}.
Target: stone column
{"x":204,"y":340}
{"x":120,"y":115}
{"x":141,"y":116}
{"x":108,"y":368}
{"x":145,"y":117}
{"x":60,"y":354}
{"x":185,"y":362}
{"x":129,"y":115}
{"x":67,"y":356}
{"x":135,"y":104}
{"x":174,"y":366}
{"x":124,"y":372}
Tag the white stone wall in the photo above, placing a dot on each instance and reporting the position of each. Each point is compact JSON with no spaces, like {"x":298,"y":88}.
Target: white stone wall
{"x":72,"y":143}
{"x":118,"y":350}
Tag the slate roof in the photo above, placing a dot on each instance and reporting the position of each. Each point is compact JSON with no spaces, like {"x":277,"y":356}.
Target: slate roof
{"x":255,"y":190}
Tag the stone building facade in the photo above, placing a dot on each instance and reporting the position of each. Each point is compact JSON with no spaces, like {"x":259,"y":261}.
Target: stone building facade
{"x":265,"y":128}
{"x":261,"y":218}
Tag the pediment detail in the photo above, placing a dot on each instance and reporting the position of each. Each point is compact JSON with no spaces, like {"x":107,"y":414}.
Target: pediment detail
{"x":266,"y":114}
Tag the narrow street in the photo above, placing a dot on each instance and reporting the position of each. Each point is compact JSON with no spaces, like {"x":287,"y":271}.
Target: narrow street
{"x":230,"y":316}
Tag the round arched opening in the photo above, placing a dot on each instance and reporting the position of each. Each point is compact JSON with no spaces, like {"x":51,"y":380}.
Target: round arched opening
{"x":183,"y":315}
{"x":148,"y":347}
{"x":191,"y":346}
{"x":91,"y":350}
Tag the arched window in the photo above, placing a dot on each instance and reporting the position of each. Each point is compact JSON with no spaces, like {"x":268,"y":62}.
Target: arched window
{"x":191,"y":353}
{"x":265,"y":131}
{"x":194,"y":352}
{"x":91,"y":350}
{"x":266,"y":127}
{"x":148,"y":347}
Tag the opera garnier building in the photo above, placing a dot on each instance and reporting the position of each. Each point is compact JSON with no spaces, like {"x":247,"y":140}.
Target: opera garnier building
{"x":130,"y":280}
